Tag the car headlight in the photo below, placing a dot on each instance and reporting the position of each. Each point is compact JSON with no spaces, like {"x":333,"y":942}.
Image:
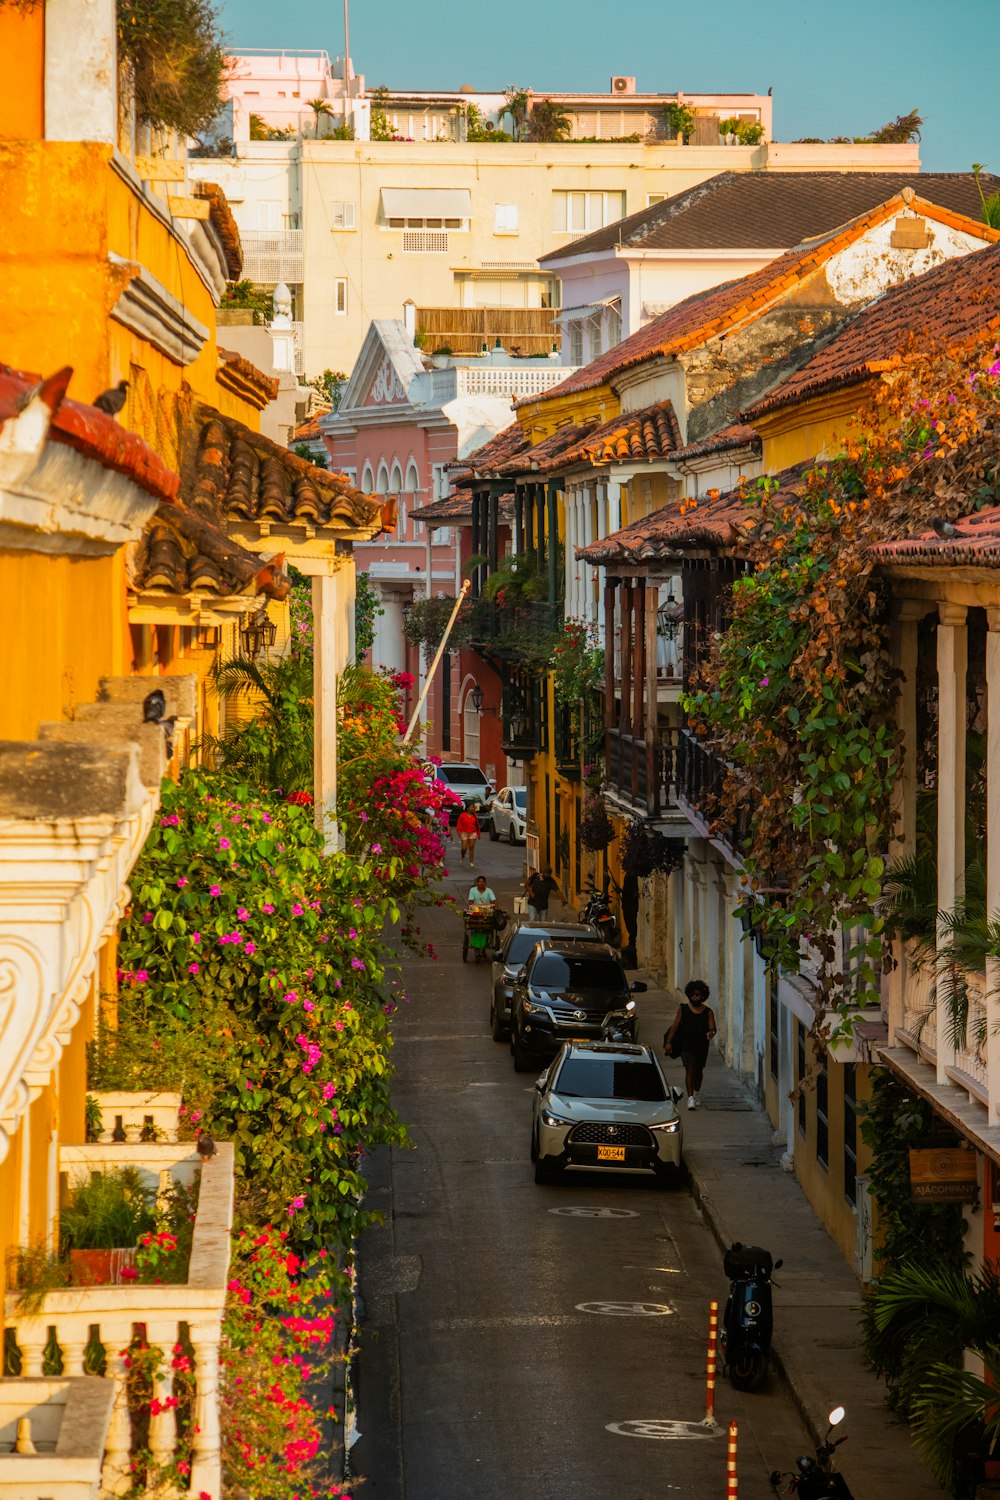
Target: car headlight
{"x":532,"y":1009}
{"x":548,"y":1118}
{"x":670,"y":1126}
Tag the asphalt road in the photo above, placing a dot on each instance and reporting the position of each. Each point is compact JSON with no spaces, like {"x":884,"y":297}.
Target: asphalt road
{"x":494,"y":1362}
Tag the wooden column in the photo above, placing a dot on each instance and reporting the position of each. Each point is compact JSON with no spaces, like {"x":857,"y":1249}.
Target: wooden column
{"x":610,"y":591}
{"x":637,"y":675}
{"x":652,"y":747}
{"x":907,"y":616}
{"x":552,"y":527}
{"x":528,"y":504}
{"x":493,"y":521}
{"x":538,"y":494}
{"x":518,"y":519}
{"x":952,"y":658}
{"x":625,"y":719}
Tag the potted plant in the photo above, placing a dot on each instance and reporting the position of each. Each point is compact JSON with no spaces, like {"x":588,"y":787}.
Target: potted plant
{"x":102,"y":1222}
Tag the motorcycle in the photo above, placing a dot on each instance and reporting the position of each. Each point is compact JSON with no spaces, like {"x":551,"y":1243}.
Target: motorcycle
{"x":598,"y":912}
{"x":748,"y":1323}
{"x":815,"y":1478}
{"x":620,"y":1025}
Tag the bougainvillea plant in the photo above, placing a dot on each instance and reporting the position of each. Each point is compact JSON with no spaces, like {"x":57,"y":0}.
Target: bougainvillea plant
{"x":798,"y":694}
{"x":596,"y":829}
{"x":577,"y":663}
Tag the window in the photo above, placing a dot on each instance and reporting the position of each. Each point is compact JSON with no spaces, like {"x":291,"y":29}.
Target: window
{"x":579,"y":213}
{"x":850,"y":1133}
{"x":614,"y":326}
{"x":367,"y":479}
{"x":822,"y":1114}
{"x":439,"y":481}
{"x":342,"y":215}
{"x":652,"y":198}
{"x":398,"y":223}
{"x":800,"y":1035}
{"x":470,"y":730}
{"x":505,"y":218}
{"x":340,"y":296}
{"x":576,"y":344}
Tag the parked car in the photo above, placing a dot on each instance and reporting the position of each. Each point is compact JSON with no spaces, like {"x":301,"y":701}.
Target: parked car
{"x":563,"y":994}
{"x":469,"y":782}
{"x":513,"y":954}
{"x":607,"y":1107}
{"x":509,"y":815}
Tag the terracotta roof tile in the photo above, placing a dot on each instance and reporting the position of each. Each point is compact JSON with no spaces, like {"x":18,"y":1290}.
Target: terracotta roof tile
{"x":769,"y":210}
{"x":241,"y":475}
{"x":949,"y":304}
{"x":264,"y":386}
{"x":512,"y":440}
{"x":647,"y":434}
{"x":182,"y":551}
{"x":719,"y":524}
{"x":978,"y":544}
{"x":225,"y":226}
{"x":714,"y":312}
{"x":88,"y":430}
{"x":544,"y":456}
{"x":738,"y":435}
{"x":457,"y":507}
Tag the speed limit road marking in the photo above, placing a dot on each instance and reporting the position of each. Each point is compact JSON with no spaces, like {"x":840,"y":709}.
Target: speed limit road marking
{"x":662,"y":1430}
{"x":595,"y":1213}
{"x":626,"y":1309}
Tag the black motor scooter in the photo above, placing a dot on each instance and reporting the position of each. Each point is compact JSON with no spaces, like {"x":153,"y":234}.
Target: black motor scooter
{"x":748,"y":1323}
{"x":620,"y":1025}
{"x":814,"y":1478}
{"x":598,"y":911}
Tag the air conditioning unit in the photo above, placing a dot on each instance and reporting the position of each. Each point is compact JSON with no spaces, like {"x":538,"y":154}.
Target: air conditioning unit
{"x":623,"y":85}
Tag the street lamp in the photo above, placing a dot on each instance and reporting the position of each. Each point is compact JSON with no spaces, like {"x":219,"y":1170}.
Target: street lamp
{"x":258,"y":633}
{"x":476,"y":698}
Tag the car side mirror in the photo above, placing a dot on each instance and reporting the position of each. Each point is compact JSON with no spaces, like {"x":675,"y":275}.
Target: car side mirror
{"x":498,"y":955}
{"x":778,"y":1265}
{"x":540,"y":1082}
{"x":675,"y":1094}
{"x":638,"y":987}
{"x":522,"y":975}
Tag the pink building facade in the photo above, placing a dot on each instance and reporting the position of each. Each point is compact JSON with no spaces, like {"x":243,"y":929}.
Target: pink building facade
{"x":402,"y":419}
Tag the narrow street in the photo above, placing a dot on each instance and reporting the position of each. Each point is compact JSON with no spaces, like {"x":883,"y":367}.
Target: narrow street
{"x":491,"y":1364}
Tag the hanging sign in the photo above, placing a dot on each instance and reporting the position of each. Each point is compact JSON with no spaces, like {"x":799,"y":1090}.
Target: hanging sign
{"x":940,"y":1175}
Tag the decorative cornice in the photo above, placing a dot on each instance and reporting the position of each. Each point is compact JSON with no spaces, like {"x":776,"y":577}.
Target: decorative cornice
{"x":146,"y":308}
{"x":73,"y":505}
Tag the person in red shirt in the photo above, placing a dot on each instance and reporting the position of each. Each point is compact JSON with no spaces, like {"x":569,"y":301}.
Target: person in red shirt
{"x":467,"y":828}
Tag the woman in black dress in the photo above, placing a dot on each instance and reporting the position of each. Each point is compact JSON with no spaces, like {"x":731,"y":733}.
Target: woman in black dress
{"x":689,"y":1036}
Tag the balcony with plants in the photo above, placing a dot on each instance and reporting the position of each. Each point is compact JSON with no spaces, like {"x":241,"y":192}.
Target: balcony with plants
{"x":133,"y":1292}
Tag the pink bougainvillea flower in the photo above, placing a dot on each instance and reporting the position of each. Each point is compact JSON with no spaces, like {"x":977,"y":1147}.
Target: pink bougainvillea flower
{"x":224,"y":844}
{"x":182,"y":882}
{"x":308,"y":1005}
{"x":196,"y":937}
{"x":296,"y":909}
{"x":241,"y":913}
{"x":215,"y":890}
{"x":358,"y":963}
{"x":291,"y":998}
{"x":267,"y":907}
{"x":250,"y":948}
{"x":352,"y":932}
{"x":147,"y":918}
{"x":296,"y":1203}
{"x":193,"y":968}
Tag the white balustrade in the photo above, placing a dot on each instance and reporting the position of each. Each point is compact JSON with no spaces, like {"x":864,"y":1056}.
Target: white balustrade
{"x":969,"y":1069}
{"x":164,"y":1311}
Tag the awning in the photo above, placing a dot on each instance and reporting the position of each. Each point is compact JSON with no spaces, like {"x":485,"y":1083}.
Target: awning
{"x":426,"y":203}
{"x":588,"y":310}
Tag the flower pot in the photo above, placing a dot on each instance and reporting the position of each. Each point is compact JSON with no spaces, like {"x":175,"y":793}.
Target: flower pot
{"x":101,"y":1267}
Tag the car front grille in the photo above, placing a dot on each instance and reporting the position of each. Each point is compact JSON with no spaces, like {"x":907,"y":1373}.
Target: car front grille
{"x":605,"y":1133}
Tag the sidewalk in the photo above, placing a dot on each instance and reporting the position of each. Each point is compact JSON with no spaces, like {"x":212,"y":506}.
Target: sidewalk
{"x":743,"y":1192}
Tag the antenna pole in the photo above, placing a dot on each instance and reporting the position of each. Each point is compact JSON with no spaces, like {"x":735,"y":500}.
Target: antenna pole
{"x":347,"y":49}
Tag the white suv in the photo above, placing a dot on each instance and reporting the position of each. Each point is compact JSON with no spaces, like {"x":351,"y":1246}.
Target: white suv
{"x":508,"y":814}
{"x":469,"y":782}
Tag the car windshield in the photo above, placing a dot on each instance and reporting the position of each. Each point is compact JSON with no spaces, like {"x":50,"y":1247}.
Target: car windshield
{"x":462,"y":775}
{"x":610,"y":1078}
{"x":520,"y":797}
{"x":557,"y":972}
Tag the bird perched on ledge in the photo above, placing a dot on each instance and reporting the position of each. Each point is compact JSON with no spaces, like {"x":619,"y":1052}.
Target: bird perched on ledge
{"x":946,"y":530}
{"x":111,"y":402}
{"x":206,"y":1146}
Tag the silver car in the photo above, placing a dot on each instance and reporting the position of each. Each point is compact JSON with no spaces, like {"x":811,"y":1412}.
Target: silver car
{"x":605,"y":1106}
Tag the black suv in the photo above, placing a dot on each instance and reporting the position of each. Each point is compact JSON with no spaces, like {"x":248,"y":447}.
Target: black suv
{"x":563,"y":995}
{"x":513,"y":954}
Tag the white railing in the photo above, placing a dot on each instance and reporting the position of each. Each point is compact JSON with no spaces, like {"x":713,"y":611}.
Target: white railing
{"x":970,"y":1058}
{"x":439,"y":386}
{"x":52,"y":1437}
{"x":144,"y":1116}
{"x":273,"y":255}
{"x":919,"y":1026}
{"x":74,"y":1318}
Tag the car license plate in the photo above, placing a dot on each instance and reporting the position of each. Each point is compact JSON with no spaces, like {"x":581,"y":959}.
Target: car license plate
{"x":611,"y":1153}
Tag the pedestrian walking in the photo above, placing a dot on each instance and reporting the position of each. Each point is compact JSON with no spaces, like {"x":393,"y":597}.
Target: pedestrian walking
{"x":467,"y":828}
{"x":688,"y":1038}
{"x":538,"y":888}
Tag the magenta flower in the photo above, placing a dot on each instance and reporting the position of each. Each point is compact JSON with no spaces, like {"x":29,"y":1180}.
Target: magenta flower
{"x":364,"y":816}
{"x":296,"y":910}
{"x":141,"y":976}
{"x":291,"y":998}
{"x":329,"y":1089}
{"x":267,"y":907}
{"x":147,"y":918}
{"x":182,"y":882}
{"x":764,"y":682}
{"x":216,"y":890}
{"x":250,"y":948}
{"x":357,"y":963}
{"x":242,"y":913}
{"x":193,"y":968}
{"x":196,"y":937}
{"x":308,"y":1005}
{"x":295,"y":1203}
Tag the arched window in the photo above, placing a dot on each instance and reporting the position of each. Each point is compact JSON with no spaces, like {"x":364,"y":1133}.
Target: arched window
{"x":412,"y":478}
{"x":382,"y":487}
{"x":396,"y":488}
{"x":367,"y":479}
{"x":471,"y":717}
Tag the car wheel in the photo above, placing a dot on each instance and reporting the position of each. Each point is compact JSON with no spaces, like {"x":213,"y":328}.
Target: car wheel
{"x":534,"y":1145}
{"x":497,"y":1026}
{"x":523,"y":1061}
{"x":511,"y":839}
{"x":494,"y":835}
{"x":545,"y":1171}
{"x":668,"y":1175}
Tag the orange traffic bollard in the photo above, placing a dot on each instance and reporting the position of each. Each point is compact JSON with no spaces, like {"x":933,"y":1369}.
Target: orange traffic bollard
{"x":732,"y":1483}
{"x":713,"y":1343}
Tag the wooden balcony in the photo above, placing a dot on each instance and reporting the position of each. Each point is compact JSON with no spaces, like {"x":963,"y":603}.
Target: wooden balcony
{"x":642,"y":777}
{"x":701,"y":778}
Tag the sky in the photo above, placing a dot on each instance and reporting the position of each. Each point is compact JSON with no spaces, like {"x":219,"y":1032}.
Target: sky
{"x":838,"y":67}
